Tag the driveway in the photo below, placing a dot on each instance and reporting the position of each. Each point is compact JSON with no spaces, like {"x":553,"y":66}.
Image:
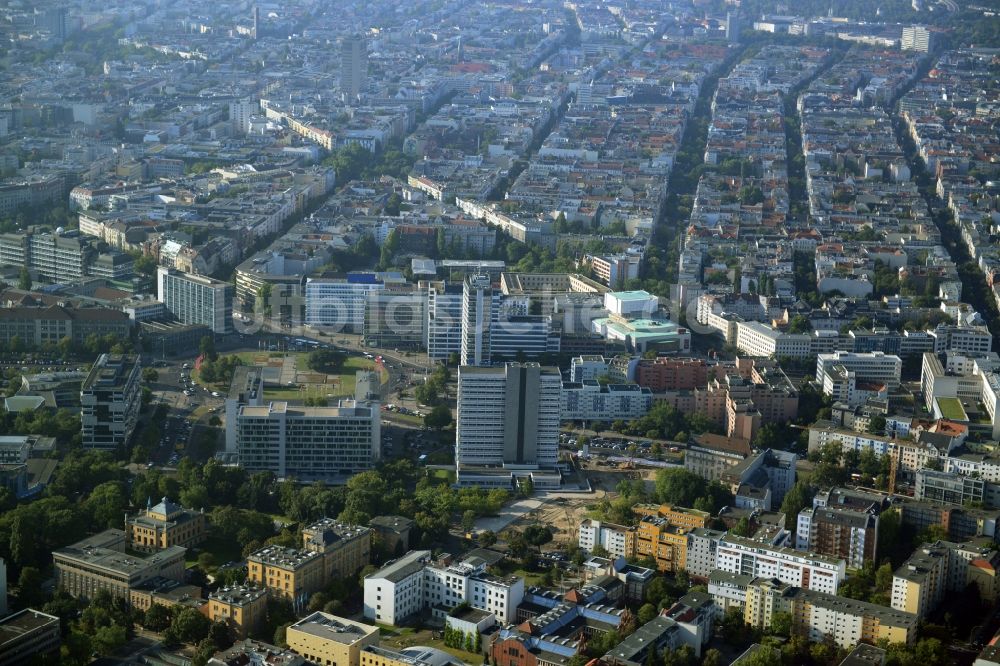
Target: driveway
{"x":508,"y":515}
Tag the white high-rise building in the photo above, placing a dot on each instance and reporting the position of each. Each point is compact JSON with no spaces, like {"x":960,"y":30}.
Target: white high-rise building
{"x":110,"y":398}
{"x":479,"y":306}
{"x":508,"y":416}
{"x":240,"y":113}
{"x":196,"y":299}
{"x":340,"y":303}
{"x":444,"y":319}
{"x":916,"y":38}
{"x":309,"y":443}
{"x":353,"y":66}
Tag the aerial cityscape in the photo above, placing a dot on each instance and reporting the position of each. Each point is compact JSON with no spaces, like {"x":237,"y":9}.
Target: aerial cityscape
{"x":507,"y":333}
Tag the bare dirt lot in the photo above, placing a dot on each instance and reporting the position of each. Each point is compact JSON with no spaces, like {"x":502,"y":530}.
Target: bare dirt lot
{"x":564,"y":511}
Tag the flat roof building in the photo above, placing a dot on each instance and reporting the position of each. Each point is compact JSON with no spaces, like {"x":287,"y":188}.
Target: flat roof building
{"x":29,"y":637}
{"x":242,"y":608}
{"x":309,"y":443}
{"x":196,"y":299}
{"x":110,"y":399}
{"x":101,"y":563}
{"x":326,"y":639}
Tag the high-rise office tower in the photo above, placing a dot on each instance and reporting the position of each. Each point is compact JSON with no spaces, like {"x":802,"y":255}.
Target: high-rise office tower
{"x":508,"y":416}
{"x":110,"y":398}
{"x":353,"y":66}
{"x":732,"y":27}
{"x":478,"y":316}
{"x":916,"y":38}
{"x":196,"y":299}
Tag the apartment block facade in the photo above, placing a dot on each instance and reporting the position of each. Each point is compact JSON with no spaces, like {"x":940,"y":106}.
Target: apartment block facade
{"x":196,"y":299}
{"x":741,"y":555}
{"x":309,"y":443}
{"x":508,"y":416}
{"x":110,"y":398}
{"x":288,"y":573}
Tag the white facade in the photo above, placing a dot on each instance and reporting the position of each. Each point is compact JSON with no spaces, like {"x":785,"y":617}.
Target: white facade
{"x":480,"y":307}
{"x":638,"y":304}
{"x":396,"y":591}
{"x":915,"y":38}
{"x":196,"y":299}
{"x":866,"y":366}
{"x":757,"y":339}
{"x":702,"y":551}
{"x":309,"y":443}
{"x":740,"y":555}
{"x":613,"y":538}
{"x":588,"y":401}
{"x":414,"y":582}
{"x":508,"y":415}
{"x":338,"y":304}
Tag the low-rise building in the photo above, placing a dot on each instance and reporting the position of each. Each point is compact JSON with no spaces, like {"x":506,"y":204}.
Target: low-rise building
{"x":249,"y":651}
{"x":240,"y":607}
{"x":29,"y":637}
{"x":954,"y":489}
{"x":40,"y":326}
{"x":414,"y":582}
{"x":877,"y":367}
{"x":101,"y":563}
{"x":394,"y":532}
{"x":287,"y":573}
{"x":346,"y":549}
{"x":326,"y":639}
{"x":616,"y":540}
{"x":168,"y":593}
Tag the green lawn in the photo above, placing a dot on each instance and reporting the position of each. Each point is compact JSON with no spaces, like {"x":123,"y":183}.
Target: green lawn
{"x":951,"y":408}
{"x":406,"y":418}
{"x":442,"y":475}
{"x":283,"y":393}
{"x":222,"y":550}
{"x":403,"y":637}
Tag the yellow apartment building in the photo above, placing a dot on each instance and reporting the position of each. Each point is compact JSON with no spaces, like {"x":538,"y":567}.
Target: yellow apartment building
{"x":241,"y":607}
{"x":287,"y":573}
